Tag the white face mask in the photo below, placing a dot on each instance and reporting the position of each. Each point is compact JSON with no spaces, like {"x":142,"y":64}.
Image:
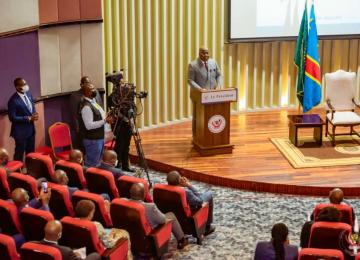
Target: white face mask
{"x":25,"y":88}
{"x":116,"y":162}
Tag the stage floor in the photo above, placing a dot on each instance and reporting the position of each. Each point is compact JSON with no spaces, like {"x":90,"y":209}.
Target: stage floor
{"x":255,"y":164}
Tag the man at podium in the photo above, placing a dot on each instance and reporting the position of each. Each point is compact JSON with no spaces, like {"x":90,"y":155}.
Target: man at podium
{"x":203,"y":73}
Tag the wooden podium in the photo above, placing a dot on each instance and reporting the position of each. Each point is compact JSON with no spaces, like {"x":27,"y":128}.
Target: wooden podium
{"x":212,"y":120}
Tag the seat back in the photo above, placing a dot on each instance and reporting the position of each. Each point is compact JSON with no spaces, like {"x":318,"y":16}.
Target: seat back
{"x":31,"y":251}
{"x":316,"y":253}
{"x":346,"y":212}
{"x":33,"y":222}
{"x":74,"y":172}
{"x":39,"y":165}
{"x":4,"y":185}
{"x":100,"y":215}
{"x":329,"y":235}
{"x":60,"y":203}
{"x":14,"y":166}
{"x":77,"y":233}
{"x":9,"y":220}
{"x":60,"y":138}
{"x":340,"y":89}
{"x":101,"y":181}
{"x":125,"y":182}
{"x":28,"y":183}
{"x":130,"y":215}
{"x":8,"y":248}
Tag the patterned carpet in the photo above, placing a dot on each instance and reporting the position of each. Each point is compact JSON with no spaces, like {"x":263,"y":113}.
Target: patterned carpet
{"x":242,"y":218}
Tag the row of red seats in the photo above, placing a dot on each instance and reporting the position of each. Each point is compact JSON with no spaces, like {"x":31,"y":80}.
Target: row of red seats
{"x":316,"y":254}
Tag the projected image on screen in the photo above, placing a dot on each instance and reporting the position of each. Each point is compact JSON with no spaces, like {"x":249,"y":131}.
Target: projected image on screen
{"x":251,"y":19}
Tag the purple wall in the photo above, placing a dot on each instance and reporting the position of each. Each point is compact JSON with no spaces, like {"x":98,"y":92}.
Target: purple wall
{"x":19,"y":57}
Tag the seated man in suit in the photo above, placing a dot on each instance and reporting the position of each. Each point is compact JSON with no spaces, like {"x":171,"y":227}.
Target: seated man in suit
{"x":20,"y":197}
{"x":53,"y":231}
{"x":155,"y":217}
{"x":193,"y":197}
{"x":109,"y":162}
{"x":76,"y":156}
{"x":4,"y":159}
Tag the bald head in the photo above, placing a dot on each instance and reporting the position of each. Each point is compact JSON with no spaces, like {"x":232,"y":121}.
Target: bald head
{"x":61,"y":177}
{"x":204,"y":53}
{"x":109,"y":157}
{"x":336,"y":196}
{"x":76,"y":156}
{"x":53,"y":230}
{"x":4,"y":156}
{"x":173,"y":178}
{"x":20,"y":197}
{"x":137,"y":191}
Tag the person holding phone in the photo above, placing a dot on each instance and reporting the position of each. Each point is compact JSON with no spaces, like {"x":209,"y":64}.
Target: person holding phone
{"x":21,"y":199}
{"x":22,"y":114}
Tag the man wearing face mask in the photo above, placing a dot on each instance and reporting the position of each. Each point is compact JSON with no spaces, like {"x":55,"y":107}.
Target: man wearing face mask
{"x":22,"y":114}
{"x":92,"y":122}
{"x":203,"y":73}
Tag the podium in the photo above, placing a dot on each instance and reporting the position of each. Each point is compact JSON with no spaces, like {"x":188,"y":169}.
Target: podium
{"x":211,"y":134}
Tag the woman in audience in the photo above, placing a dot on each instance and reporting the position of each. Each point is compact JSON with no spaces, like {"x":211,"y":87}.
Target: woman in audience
{"x":85,"y":210}
{"x":278,"y":248}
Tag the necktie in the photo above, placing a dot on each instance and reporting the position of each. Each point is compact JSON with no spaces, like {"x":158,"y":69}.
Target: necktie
{"x":206,"y":66}
{"x":27,"y":102}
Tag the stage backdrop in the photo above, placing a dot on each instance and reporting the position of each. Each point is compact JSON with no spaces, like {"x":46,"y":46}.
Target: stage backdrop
{"x":154,"y":40}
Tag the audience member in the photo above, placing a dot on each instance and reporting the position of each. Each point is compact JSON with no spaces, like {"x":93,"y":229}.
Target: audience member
{"x":155,"y":217}
{"x":109,"y":163}
{"x":53,"y":230}
{"x":92,"y":121}
{"x":22,"y":114}
{"x":85,"y":210}
{"x":194,"y":198}
{"x":76,"y":156}
{"x":20,"y":197}
{"x":76,"y":99}
{"x":4,"y":159}
{"x":278,"y":248}
{"x":328,"y":214}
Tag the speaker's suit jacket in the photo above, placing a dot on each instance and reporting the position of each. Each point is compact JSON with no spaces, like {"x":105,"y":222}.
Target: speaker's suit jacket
{"x":200,"y":77}
{"x":21,"y":127}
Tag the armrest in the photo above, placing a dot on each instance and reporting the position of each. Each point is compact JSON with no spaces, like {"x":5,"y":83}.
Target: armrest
{"x":118,"y":252}
{"x":200,"y":217}
{"x":328,"y":102}
{"x":356,"y":104}
{"x":162,"y":233}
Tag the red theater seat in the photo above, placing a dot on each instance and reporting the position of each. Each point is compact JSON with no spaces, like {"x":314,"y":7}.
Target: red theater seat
{"x":316,"y":254}
{"x":60,"y":139}
{"x":329,"y":235}
{"x":125,"y":182}
{"x":346,"y":212}
{"x":173,"y":199}
{"x":4,"y":185}
{"x":8,"y":248}
{"x":28,"y":183}
{"x":60,"y":204}
{"x":101,"y":181}
{"x":74,"y":172}
{"x":32,"y":251}
{"x":9,"y":220}
{"x":33,"y":222}
{"x":100,"y":215}
{"x":79,"y":233}
{"x":39,"y":165}
{"x":14,"y":166}
{"x":130,"y":215}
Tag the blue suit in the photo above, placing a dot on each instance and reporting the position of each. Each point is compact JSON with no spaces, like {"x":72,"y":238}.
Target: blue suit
{"x":22,"y":130}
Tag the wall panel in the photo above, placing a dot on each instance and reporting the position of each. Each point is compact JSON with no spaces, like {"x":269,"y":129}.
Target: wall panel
{"x":48,"y":11}
{"x":158,"y":38}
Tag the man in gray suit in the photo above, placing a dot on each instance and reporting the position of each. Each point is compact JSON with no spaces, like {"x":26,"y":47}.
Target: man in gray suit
{"x":155,"y":217}
{"x":203,"y":73}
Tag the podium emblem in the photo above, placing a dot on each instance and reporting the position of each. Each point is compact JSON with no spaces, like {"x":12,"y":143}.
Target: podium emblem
{"x":216,"y":124}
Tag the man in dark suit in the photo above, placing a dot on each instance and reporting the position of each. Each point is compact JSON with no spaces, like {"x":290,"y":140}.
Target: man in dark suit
{"x":22,"y":114}
{"x":194,"y":198}
{"x":109,"y":162}
{"x":53,"y":231}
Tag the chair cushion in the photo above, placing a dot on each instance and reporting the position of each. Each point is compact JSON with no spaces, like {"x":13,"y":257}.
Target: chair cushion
{"x":344,"y":117}
{"x":14,"y":165}
{"x":64,"y":155}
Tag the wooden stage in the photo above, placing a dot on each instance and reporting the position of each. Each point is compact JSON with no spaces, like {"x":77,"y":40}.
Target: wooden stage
{"x":255,"y":164}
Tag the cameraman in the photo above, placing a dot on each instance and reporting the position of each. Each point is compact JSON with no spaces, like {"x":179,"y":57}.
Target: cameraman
{"x":121,"y":127}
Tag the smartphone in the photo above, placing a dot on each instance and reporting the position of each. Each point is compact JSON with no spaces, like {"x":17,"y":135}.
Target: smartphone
{"x":44,"y":186}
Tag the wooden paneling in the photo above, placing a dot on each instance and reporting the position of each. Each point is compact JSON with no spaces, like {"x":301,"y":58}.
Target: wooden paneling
{"x":69,"y":10}
{"x":90,"y":9}
{"x":48,"y":11}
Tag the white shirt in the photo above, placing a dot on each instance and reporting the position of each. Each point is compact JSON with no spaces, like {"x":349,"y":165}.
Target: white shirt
{"x":88,"y":116}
